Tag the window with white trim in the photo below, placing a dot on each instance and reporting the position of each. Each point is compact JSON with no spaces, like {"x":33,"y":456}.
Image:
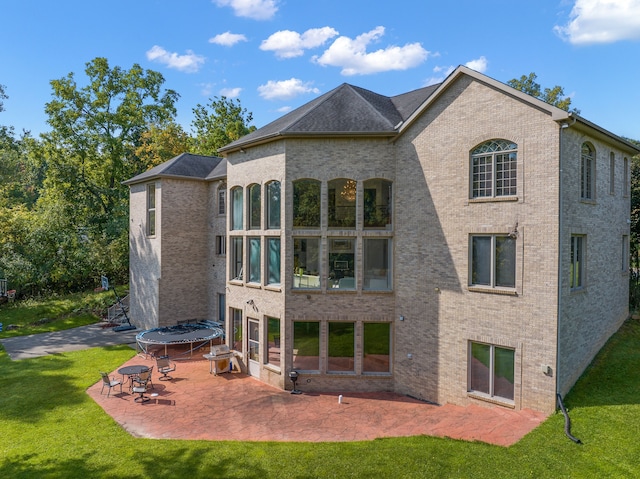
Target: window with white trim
{"x":236,"y":208}
{"x":576,"y":272}
{"x":236,"y":262}
{"x":273,"y":194}
{"x":491,"y":371}
{"x":254,"y":260}
{"x":272,"y":261}
{"x":254,"y":206}
{"x":587,"y":172}
{"x":494,"y":169}
{"x":151,"y":209}
{"x":222,"y":199}
{"x":493,"y":261}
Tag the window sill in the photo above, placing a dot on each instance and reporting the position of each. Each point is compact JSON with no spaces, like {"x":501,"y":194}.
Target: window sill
{"x":273,"y":287}
{"x":236,"y":282}
{"x":487,"y":289}
{"x":492,"y":199}
{"x":377,"y":291}
{"x":273,"y":369}
{"x":588,"y":201}
{"x":493,"y":400}
{"x":254,"y":285}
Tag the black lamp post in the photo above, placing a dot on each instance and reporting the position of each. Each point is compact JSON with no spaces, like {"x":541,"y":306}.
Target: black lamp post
{"x":293,"y":375}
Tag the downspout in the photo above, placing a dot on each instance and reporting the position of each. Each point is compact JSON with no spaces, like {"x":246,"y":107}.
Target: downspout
{"x":567,"y":427}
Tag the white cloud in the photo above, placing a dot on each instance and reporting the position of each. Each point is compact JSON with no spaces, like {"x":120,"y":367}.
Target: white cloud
{"x":228,"y":39}
{"x":231,"y":92}
{"x":285,"y":89}
{"x":289,"y":44}
{"x":601,"y":21}
{"x":352,"y":56}
{"x":442,"y":72}
{"x":189,"y":63}
{"x":479,"y":64}
{"x":255,"y":9}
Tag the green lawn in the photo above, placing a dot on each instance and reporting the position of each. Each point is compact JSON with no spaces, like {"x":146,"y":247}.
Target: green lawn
{"x":49,"y":427}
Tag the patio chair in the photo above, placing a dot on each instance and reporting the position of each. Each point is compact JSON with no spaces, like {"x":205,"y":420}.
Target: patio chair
{"x":140,"y":388}
{"x":165,"y":366}
{"x":110,"y":383}
{"x":144,"y":378}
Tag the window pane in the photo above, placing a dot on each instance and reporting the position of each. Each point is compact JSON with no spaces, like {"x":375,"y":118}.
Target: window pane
{"x":222,"y":309}
{"x":222,"y":200}
{"x":306,"y":263}
{"x":587,"y":171}
{"x":377,"y":273}
{"x":254,"y":207}
{"x":481,"y":260}
{"x":273,"y":341}
{"x":480,"y":368}
{"x":236,"y":209}
{"x":254,"y":260}
{"x":505,"y":261}
{"x":482,"y":176}
{"x":342,"y":263}
{"x":577,"y":271}
{"x":273,"y":261}
{"x":342,"y":203}
{"x":151,"y":210}
{"x":306,"y":203}
{"x":237,"y":329}
{"x":506,"y":174}
{"x":341,"y":343}
{"x":306,"y":345}
{"x":503,"y":372}
{"x":236,"y":260}
{"x":273,"y":205}
{"x":376,"y":348}
{"x":377,"y":203}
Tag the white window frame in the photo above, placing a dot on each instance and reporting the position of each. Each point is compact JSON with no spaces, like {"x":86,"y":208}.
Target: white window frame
{"x":577,"y":261}
{"x":222,"y":200}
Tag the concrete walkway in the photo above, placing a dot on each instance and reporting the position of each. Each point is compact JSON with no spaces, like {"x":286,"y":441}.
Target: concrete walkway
{"x":75,"y":339}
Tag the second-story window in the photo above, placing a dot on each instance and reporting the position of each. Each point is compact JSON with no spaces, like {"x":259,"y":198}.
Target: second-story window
{"x":494,"y":169}
{"x":587,"y":172}
{"x":236,"y":208}
{"x":254,"y":207}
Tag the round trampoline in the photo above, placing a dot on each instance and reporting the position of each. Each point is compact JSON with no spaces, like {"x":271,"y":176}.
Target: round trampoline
{"x":179,"y":334}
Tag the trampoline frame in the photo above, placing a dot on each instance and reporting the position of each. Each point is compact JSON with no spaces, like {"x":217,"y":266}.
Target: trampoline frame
{"x":172,"y":337}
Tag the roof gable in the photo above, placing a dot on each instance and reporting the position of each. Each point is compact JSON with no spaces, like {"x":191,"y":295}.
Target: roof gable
{"x":185,"y":165}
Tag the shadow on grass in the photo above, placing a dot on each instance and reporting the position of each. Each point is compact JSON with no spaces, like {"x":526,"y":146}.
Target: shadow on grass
{"x":613,"y":378}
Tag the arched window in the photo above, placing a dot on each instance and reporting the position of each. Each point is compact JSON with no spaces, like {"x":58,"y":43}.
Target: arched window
{"x":377,"y":203}
{"x":306,"y":203}
{"x":254,"y":207}
{"x":273,"y":205}
{"x":494,"y":169}
{"x":236,"y":208}
{"x":342,"y":203}
{"x":587,"y":172}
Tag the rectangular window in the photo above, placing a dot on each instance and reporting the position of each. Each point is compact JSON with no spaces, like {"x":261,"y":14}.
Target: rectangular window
{"x":273,"y":341}
{"x":491,"y":370}
{"x":341,"y":347}
{"x":151,"y":210}
{"x":493,"y":261}
{"x":222,"y":308}
{"x":306,"y":345}
{"x":236,"y":209}
{"x":237,"y":329}
{"x":625,"y":177}
{"x":625,"y":253}
{"x":236,"y":259}
{"x":377,"y":203}
{"x":254,"y":260}
{"x":306,"y":262}
{"x":221,"y":245}
{"x":306,"y":204}
{"x":612,"y":173}
{"x":222,"y":200}
{"x":376,"y":348}
{"x":342,"y":263}
{"x":377,"y":261}
{"x":587,"y":172}
{"x":576,"y":272}
{"x":273,"y":205}
{"x":273,"y":261}
{"x":254,"y":340}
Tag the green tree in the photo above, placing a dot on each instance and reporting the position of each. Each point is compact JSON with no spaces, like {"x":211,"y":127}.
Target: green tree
{"x":218,"y":124}
{"x":160,"y":143}
{"x":96,"y":130}
{"x":554,"y":96}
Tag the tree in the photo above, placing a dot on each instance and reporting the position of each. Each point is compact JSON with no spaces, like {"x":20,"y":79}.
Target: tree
{"x":554,"y":96}
{"x":90,"y":151}
{"x":3,"y":96}
{"x":218,"y":124}
{"x":160,"y":143}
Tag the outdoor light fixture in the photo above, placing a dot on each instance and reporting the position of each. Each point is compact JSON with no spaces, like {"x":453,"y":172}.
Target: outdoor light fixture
{"x":293,"y":375}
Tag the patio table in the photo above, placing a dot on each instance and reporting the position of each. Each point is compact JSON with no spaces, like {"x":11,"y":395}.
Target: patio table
{"x":132,"y":371}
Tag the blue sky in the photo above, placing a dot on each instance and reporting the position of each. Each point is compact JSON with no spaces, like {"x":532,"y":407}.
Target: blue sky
{"x":275,"y":55}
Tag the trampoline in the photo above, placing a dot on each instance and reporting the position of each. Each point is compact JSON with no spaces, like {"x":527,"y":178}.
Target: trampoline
{"x":179,"y":334}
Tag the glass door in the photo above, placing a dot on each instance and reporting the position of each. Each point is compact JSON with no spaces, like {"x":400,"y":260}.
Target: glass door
{"x":254,"y":347}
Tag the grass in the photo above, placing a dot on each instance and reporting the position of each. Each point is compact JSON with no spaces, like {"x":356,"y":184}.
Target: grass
{"x":50,"y":428}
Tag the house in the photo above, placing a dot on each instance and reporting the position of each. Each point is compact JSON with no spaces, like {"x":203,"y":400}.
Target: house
{"x":460,"y":243}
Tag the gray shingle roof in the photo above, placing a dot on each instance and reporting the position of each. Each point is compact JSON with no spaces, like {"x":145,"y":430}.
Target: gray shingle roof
{"x":346,"y":109}
{"x":185,"y":165}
